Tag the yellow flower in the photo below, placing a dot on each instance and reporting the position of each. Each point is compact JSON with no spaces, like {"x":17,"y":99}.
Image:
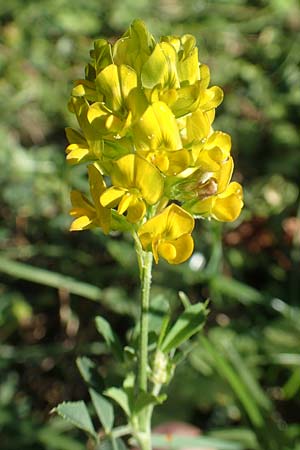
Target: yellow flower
{"x":169,"y":162}
{"x":134,"y":47}
{"x":85,"y":88}
{"x":187,"y":54}
{"x":160,"y":68}
{"x":168,"y":235}
{"x":196,"y":127}
{"x":110,"y":114}
{"x":210,"y":97}
{"x":88,"y":214}
{"x":88,"y":143}
{"x":101,"y":57}
{"x":224,"y":207}
{"x":217,"y":197}
{"x":172,"y":75}
{"x":135,"y":184}
{"x":78,"y":149}
{"x":115,"y":83}
{"x":145,"y":111}
{"x":157,"y":128}
{"x":228,"y":204}
{"x":211,"y":154}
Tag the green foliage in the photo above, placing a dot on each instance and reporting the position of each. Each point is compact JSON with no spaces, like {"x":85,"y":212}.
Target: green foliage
{"x":241,"y":381}
{"x":111,"y":339}
{"x":104,"y":410}
{"x":77,"y":414}
{"x":188,"y":323}
{"x":193,"y":442}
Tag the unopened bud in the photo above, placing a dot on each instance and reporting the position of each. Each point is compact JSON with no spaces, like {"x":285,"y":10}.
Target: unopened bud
{"x":160,"y":373}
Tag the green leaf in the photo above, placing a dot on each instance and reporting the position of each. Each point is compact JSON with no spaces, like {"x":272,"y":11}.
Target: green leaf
{"x":239,"y":388}
{"x":52,"y":440}
{"x":292,"y":386}
{"x":145,"y":399}
{"x":235,"y":289}
{"x":77,"y":414}
{"x":190,"y":322}
{"x":163,"y":330}
{"x":178,"y":442}
{"x":246,"y":377}
{"x":89,"y":373}
{"x":111,"y":339}
{"x":159,"y":308}
{"x":49,"y":278}
{"x":103,"y":409}
{"x":243,"y":436}
{"x":121,"y":397}
{"x":184,"y":299}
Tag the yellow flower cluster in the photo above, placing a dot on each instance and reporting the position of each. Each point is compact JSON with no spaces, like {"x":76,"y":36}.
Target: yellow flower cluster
{"x":145,"y":111}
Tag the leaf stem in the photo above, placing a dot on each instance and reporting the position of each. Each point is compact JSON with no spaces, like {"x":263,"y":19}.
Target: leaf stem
{"x":121,"y":431}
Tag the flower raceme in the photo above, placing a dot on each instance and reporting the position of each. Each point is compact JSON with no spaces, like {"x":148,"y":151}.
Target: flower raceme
{"x":145,"y":112}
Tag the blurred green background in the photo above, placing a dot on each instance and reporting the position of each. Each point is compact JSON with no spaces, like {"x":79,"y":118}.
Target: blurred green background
{"x":242,"y":380}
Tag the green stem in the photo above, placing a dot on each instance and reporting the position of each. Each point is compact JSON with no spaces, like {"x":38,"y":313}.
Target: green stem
{"x":145,"y":266}
{"x":144,"y":319}
{"x":121,"y":431}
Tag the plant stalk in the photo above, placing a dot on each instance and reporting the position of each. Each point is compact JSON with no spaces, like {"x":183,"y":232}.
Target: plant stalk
{"x":145,"y":260}
{"x":146,"y":276}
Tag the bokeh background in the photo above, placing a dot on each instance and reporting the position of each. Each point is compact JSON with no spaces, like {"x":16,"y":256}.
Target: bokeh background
{"x":242,"y":380}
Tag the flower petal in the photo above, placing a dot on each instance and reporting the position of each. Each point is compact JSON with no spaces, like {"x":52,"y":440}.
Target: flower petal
{"x":227,"y":206}
{"x":112,"y":196}
{"x":135,"y":46}
{"x":211,"y":98}
{"x":124,"y":203}
{"x":201,"y":207}
{"x":160,"y":68}
{"x":177,"y":251}
{"x":85,"y":88}
{"x":219,"y":140}
{"x":76,"y":154}
{"x":178,"y":162}
{"x":75,"y":137}
{"x":136,"y":210}
{"x":97,"y":111}
{"x":81,"y":223}
{"x":79,"y":200}
{"x":188,"y":66}
{"x":108,"y":85}
{"x":225,"y":175}
{"x":167,"y":251}
{"x":187,"y":100}
{"x":93,"y":134}
{"x":170,"y":224}
{"x":133,"y":171}
{"x":198,"y":126}
{"x":148,"y":180}
{"x":157,"y":128}
{"x":179,"y":222}
{"x":101,"y":54}
{"x":97,"y":187}
{"x":115,"y":83}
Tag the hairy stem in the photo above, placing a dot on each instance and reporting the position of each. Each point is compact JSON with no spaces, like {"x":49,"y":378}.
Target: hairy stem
{"x":145,"y":266}
{"x":144,"y":319}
